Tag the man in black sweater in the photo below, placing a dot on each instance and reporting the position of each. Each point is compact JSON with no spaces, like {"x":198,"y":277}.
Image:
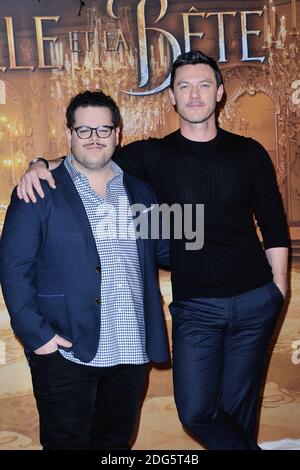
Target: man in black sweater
{"x":226,"y":296}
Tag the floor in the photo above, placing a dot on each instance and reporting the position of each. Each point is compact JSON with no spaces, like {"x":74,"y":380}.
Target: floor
{"x":159,"y":426}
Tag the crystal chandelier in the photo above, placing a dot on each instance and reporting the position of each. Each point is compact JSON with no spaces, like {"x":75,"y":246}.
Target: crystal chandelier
{"x":111,"y":71}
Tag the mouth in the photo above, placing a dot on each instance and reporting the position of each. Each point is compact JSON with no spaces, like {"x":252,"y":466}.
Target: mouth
{"x":195,"y":105}
{"x":94,"y":146}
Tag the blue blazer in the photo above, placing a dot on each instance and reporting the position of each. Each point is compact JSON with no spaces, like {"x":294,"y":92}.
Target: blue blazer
{"x":49,"y":270}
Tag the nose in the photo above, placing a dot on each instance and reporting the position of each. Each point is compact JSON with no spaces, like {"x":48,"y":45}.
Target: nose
{"x":195,"y":92}
{"x":94,"y":135}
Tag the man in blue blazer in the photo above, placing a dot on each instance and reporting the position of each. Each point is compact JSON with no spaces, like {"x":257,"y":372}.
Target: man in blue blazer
{"x":81,"y":288}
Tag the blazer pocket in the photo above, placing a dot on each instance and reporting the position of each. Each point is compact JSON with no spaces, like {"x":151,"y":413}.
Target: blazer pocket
{"x":53,"y":308}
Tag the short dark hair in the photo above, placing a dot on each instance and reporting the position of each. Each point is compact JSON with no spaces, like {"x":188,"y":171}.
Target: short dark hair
{"x":193,"y":58}
{"x":93,"y":98}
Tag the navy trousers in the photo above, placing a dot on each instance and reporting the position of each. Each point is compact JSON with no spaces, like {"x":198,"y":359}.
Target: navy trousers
{"x":85,"y":407}
{"x":219,"y":352}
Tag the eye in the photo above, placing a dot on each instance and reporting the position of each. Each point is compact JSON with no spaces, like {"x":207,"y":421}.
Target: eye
{"x":84,"y":131}
{"x":183,"y":86}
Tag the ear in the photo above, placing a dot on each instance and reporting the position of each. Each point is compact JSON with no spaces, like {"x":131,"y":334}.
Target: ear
{"x":172,"y":97}
{"x":117,"y":135}
{"x":69,"y":136}
{"x":220,"y":92}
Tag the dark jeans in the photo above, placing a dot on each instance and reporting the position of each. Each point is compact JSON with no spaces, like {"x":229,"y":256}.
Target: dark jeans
{"x":85,"y":407}
{"x":219,"y":353}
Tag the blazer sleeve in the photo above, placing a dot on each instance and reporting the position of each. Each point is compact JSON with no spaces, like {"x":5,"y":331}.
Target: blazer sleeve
{"x":19,"y":246}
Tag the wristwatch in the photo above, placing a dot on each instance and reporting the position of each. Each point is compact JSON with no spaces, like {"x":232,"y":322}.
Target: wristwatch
{"x":39,"y":159}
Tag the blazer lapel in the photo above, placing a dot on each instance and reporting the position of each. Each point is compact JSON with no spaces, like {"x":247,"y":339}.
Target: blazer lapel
{"x":76,"y":205}
{"x":140,"y":243}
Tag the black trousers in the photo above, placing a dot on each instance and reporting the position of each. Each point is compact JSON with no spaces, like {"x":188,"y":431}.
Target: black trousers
{"x":85,"y":407}
{"x":219,"y":352}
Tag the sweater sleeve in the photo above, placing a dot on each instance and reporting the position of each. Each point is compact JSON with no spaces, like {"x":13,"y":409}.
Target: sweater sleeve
{"x":163,"y":245}
{"x":266,"y":200}
{"x":130,"y":158}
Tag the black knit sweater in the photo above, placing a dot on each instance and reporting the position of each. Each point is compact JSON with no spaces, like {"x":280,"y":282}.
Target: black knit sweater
{"x":234,"y":178}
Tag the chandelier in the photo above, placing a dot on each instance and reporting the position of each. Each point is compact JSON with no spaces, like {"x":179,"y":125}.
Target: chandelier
{"x":112,"y":71}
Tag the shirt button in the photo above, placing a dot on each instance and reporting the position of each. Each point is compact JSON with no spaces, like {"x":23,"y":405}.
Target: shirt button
{"x":98,"y":269}
{"x":98,"y":301}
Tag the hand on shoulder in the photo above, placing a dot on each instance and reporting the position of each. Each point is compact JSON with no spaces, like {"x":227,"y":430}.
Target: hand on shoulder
{"x":30,"y":181}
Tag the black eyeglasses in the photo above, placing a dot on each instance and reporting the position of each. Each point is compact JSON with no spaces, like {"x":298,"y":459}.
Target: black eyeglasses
{"x":85,"y":132}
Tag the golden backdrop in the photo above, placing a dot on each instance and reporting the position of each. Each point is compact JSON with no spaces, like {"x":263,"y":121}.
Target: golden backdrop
{"x":49,"y":52}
